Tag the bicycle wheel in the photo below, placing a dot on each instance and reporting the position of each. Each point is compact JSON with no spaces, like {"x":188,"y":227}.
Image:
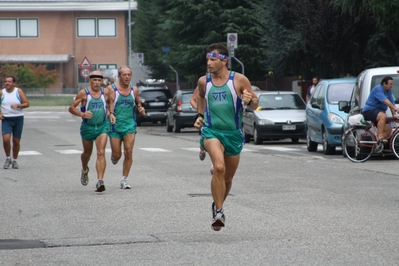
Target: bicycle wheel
{"x":359,"y":144}
{"x":395,"y":143}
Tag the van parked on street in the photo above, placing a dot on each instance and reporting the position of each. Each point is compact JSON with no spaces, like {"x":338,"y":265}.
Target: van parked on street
{"x":365,"y":81}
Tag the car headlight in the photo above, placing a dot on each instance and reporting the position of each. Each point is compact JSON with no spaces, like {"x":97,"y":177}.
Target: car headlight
{"x":265,"y":122}
{"x":335,"y":118}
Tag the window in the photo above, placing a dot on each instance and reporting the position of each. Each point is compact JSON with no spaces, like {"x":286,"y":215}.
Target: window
{"x":8,"y":28}
{"x":91,"y":27}
{"x":106,"y":66}
{"x":24,"y":28}
{"x":86,"y":27}
{"x":106,"y":27}
{"x":28,"y":28}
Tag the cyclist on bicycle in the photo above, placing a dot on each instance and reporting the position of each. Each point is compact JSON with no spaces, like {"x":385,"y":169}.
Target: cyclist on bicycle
{"x":377,"y":103}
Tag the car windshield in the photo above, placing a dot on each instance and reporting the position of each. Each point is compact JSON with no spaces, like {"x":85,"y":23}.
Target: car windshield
{"x":375,"y":80}
{"x":153,"y":95}
{"x":281,"y":102}
{"x":339,"y":92}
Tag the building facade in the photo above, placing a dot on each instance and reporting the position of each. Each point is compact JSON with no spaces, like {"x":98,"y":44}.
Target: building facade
{"x":66,"y":34}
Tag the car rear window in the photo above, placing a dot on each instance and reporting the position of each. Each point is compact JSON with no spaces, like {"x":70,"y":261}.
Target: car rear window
{"x":186,"y":97}
{"x":375,"y":80}
{"x":339,"y":92}
{"x":153,"y":94}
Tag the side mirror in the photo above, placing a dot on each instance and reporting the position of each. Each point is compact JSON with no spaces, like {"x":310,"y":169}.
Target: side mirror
{"x":316,"y":105}
{"x":344,"y":106}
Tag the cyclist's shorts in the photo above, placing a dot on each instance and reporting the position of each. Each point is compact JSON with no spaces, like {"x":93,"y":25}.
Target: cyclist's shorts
{"x":13,"y":125}
{"x":232,"y":141}
{"x":90,"y":133}
{"x":371,"y":115}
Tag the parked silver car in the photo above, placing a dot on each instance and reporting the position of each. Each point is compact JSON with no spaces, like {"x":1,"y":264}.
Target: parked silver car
{"x":280,"y":115}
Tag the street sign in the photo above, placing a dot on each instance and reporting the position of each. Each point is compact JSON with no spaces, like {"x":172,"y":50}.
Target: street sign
{"x":85,"y":72}
{"x":140,"y":58}
{"x":232,"y":40}
{"x":231,"y":48}
{"x":85,"y":63}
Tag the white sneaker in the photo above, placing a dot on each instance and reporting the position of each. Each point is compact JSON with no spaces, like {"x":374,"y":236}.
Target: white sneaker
{"x":124,"y":184}
{"x":7,"y":163}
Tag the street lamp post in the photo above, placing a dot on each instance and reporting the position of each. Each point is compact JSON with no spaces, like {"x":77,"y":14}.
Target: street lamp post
{"x":177,"y":77}
{"x":129,"y":24}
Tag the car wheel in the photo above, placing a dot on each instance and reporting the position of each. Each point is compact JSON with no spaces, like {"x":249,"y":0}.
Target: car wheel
{"x":257,"y":140}
{"x":294,"y":140}
{"x":168,"y":126}
{"x":327,"y":149}
{"x":176,"y":127}
{"x":311,"y":145}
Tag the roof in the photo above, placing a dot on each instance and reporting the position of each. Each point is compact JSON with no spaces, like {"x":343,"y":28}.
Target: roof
{"x":86,"y":5}
{"x":43,"y":58}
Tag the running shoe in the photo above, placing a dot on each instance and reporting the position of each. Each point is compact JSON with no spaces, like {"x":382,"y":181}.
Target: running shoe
{"x":124,"y":184}
{"x":213,"y":210}
{"x":114,"y":161}
{"x":211,"y":170}
{"x":84,"y":177}
{"x":202,"y":155}
{"x":15,"y":165}
{"x":7,"y":163}
{"x":100,"y":186}
{"x":218,"y":221}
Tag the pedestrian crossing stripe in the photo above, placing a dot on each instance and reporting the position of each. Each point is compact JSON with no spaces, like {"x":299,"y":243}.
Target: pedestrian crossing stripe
{"x":69,"y":151}
{"x":154,"y":150}
{"x":108,"y":150}
{"x":191,"y":149}
{"x":29,"y":153}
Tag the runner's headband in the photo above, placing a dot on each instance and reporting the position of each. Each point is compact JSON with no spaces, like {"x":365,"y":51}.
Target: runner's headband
{"x":216,"y":55}
{"x":96,"y":76}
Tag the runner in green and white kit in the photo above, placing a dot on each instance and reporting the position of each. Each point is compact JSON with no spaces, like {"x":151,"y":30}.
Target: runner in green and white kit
{"x":95,"y":102}
{"x":126,"y":100}
{"x":221,"y":96}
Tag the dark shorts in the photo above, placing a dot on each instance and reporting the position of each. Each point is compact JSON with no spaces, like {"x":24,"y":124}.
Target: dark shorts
{"x":371,"y":115}
{"x":13,"y":125}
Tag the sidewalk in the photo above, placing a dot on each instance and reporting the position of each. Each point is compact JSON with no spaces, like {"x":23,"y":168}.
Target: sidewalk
{"x":47,"y":108}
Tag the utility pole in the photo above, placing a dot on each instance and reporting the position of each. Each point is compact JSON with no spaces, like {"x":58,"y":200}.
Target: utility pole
{"x":177,"y":78}
{"x":129,"y":24}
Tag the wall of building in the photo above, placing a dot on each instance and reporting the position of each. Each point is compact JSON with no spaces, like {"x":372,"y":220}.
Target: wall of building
{"x":58,"y":35}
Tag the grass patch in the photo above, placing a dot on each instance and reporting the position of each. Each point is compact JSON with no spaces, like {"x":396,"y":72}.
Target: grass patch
{"x":50,"y":100}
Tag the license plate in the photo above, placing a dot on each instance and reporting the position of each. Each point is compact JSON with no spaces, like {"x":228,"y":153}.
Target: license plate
{"x":289,"y":127}
{"x":157,"y":104}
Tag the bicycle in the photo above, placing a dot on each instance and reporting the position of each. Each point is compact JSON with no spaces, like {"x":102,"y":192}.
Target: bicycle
{"x":360,"y":141}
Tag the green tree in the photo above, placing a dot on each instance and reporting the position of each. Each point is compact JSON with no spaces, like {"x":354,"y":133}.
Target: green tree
{"x":187,"y":27}
{"x":384,"y":36}
{"x":30,"y":76}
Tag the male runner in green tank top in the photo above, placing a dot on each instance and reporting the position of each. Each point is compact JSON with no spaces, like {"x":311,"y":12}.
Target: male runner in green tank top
{"x":222,"y":94}
{"x":95,"y":102}
{"x":126,"y":100}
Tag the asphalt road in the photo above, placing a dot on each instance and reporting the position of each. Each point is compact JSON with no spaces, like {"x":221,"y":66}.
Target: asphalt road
{"x":287,"y":206}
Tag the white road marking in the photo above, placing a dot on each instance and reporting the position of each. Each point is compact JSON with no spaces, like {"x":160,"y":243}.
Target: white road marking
{"x":69,"y":151}
{"x":29,"y":153}
{"x":197,"y":149}
{"x":154,"y":150}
